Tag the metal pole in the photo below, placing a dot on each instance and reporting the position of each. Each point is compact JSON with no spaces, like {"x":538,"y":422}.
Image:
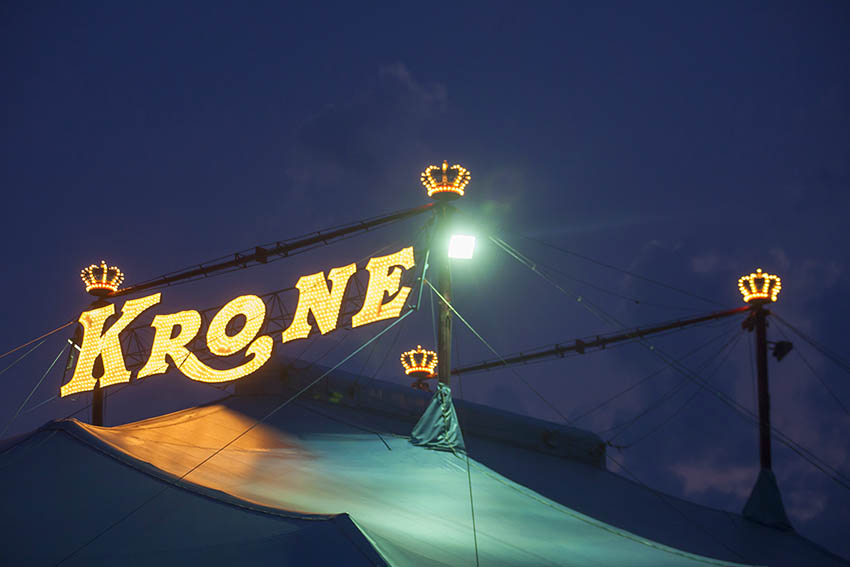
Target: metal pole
{"x":98,"y":394}
{"x":581,"y":346}
{"x":261,"y":255}
{"x":760,"y":323}
{"x":97,"y":405}
{"x":444,"y":284}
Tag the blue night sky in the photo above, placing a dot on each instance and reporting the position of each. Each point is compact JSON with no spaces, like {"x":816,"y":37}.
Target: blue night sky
{"x":685,"y":142}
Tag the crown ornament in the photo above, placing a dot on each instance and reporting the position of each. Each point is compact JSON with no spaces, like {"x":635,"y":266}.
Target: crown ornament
{"x":101,"y":280}
{"x":759,"y":287}
{"x":419,"y":362}
{"x":448,"y":184}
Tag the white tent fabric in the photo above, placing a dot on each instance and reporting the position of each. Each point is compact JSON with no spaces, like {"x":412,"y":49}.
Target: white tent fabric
{"x":330,"y":481}
{"x":411,"y":503}
{"x":59,"y":493}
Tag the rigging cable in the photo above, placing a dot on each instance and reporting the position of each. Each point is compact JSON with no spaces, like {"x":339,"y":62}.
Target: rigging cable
{"x":236,"y":438}
{"x":536,"y":358}
{"x":302,"y":352}
{"x":239,"y":268}
{"x":468,"y":467}
{"x":433,"y":315}
{"x":44,"y":336}
{"x":782,"y":437}
{"x":378,"y":368}
{"x":159,"y":370}
{"x":193,"y":273}
{"x":27,"y":399}
{"x":333,"y":347}
{"x":366,"y":362}
{"x":822,"y":349}
{"x":682,"y":406}
{"x":23,"y":356}
{"x":390,"y":350}
{"x":611,"y":292}
{"x":270,"y":260}
{"x":663,"y":499}
{"x":627,"y":272}
{"x":670,"y":393}
{"x":40,"y":404}
{"x":112,"y":393}
{"x":485,"y":343}
{"x":299,"y":237}
{"x":648,"y":377}
{"x":816,"y":375}
{"x":667,"y":501}
{"x":391,"y":347}
{"x":522,"y":259}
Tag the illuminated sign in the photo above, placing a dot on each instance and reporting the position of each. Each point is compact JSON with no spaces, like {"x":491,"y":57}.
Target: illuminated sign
{"x":760,"y":286}
{"x":101,"y":280}
{"x":175,"y":331}
{"x":442,"y":187}
{"x":419,"y":361}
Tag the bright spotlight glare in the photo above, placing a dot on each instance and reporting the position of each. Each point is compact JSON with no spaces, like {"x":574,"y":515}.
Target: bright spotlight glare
{"x":461,"y":246}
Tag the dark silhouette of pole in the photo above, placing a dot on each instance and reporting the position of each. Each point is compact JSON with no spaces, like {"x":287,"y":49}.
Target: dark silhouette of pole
{"x":765,"y":502}
{"x":759,"y":320}
{"x":444,"y":285}
{"x":443,"y":190}
{"x":97,"y":405}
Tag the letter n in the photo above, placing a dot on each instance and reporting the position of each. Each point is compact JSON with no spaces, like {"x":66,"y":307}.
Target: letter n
{"x":385,"y":281}
{"x":314,"y":296}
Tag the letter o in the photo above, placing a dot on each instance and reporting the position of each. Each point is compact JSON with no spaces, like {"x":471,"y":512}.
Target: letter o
{"x":222,"y":344}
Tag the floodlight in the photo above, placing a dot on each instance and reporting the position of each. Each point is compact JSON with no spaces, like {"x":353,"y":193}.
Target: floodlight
{"x":461,"y":246}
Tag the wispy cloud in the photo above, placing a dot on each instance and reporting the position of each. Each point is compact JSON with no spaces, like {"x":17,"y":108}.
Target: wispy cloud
{"x":715,"y":474}
{"x":366,"y":142}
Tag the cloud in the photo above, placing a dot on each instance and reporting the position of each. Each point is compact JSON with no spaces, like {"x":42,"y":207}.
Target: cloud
{"x":805,"y":505}
{"x":780,"y":258}
{"x":370,"y":143}
{"x":710,"y":474}
{"x":608,"y":221}
{"x":430,"y":96}
{"x":711,"y":263}
{"x":800,"y":407}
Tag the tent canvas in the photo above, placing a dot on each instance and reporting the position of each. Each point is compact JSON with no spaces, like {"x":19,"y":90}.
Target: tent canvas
{"x":333,"y":478}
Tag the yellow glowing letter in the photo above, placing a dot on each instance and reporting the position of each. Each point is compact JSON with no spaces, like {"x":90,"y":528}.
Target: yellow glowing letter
{"x":222,"y":344}
{"x":383,"y":280}
{"x":163,"y":343}
{"x":218,"y":341}
{"x":107,"y":345}
{"x":314,"y":296}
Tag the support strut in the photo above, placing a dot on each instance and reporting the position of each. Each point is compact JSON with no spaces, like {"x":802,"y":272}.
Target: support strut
{"x":600,"y":342}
